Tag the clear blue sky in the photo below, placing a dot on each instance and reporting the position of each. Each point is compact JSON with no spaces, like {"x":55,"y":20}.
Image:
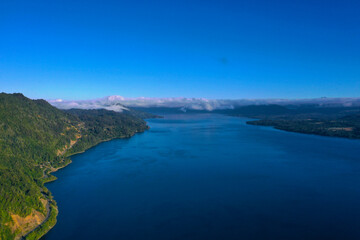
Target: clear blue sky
{"x":214,"y":49}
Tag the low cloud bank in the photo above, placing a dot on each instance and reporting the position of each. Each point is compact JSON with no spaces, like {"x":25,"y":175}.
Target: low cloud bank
{"x":119,"y":103}
{"x":109,"y":103}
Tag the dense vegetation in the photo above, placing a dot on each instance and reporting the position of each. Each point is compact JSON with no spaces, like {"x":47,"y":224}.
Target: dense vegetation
{"x":37,"y":138}
{"x":101,"y":125}
{"x":312,"y":119}
{"x":44,"y":228}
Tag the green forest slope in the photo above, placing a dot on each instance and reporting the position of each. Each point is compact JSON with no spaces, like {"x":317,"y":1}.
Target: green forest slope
{"x":36,"y":139}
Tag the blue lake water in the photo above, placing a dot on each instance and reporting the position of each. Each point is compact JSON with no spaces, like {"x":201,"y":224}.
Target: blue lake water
{"x":211,"y":177}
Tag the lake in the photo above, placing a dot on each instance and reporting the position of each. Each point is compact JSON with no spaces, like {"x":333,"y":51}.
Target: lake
{"x":209,"y":176}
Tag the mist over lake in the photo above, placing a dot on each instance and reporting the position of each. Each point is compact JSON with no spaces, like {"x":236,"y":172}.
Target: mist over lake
{"x":209,"y":176}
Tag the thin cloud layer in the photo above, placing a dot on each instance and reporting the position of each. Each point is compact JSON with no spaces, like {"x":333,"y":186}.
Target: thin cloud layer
{"x":119,"y":103}
{"x":109,"y":103}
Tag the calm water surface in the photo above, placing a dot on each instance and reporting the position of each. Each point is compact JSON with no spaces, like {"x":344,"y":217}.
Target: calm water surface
{"x":211,"y":177}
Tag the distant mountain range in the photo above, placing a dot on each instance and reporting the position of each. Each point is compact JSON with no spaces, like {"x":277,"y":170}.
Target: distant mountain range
{"x":119,"y":103}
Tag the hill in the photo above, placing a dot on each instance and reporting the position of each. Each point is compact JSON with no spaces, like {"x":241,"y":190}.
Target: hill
{"x":37,"y":139}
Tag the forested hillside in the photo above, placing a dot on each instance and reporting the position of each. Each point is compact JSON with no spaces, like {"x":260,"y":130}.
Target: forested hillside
{"x":101,"y":125}
{"x":36,"y":139}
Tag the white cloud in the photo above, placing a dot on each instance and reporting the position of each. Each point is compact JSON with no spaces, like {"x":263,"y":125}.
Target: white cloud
{"x":109,"y":103}
{"x":119,"y":103}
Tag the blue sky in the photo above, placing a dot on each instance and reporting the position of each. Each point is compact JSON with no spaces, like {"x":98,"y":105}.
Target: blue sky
{"x":212,"y":49}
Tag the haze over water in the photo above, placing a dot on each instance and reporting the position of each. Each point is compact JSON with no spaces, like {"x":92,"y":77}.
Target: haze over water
{"x":211,"y":177}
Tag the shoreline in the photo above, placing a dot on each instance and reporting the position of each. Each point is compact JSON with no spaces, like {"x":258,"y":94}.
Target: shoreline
{"x":48,"y":212}
{"x":52,"y":203}
{"x":257,"y":122}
